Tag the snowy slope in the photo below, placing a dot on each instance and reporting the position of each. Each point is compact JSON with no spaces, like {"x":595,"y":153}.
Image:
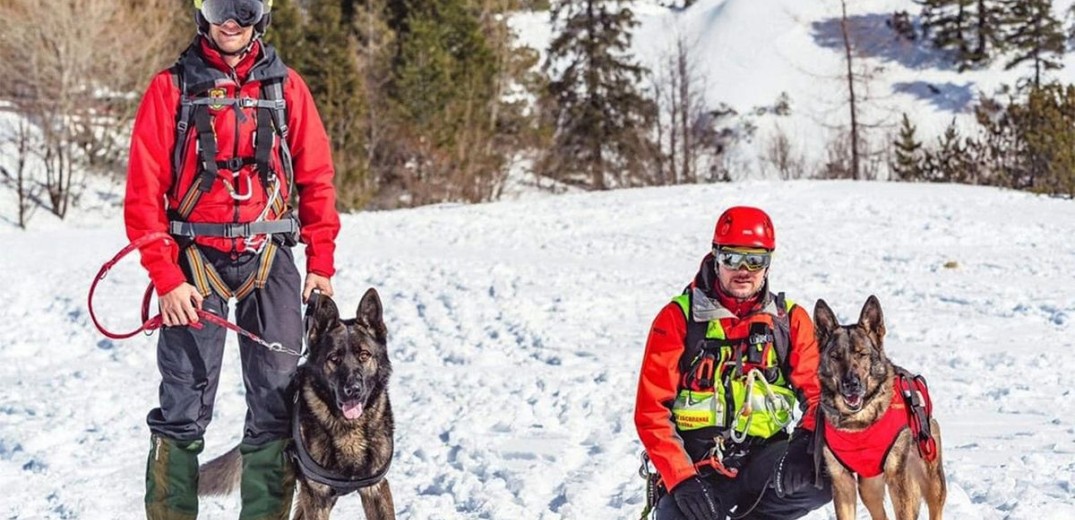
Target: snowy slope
{"x":748,"y":52}
{"x":517,"y":329}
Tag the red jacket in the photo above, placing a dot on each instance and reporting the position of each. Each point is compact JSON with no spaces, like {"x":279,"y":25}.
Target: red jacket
{"x":152,"y":189}
{"x":660,"y":377}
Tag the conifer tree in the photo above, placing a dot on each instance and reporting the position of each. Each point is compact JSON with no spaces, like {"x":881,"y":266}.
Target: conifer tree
{"x":286,"y":33}
{"x":950,"y":162}
{"x":1045,"y":127}
{"x":329,"y":65}
{"x":443,"y":90}
{"x":971,"y":29}
{"x":987,"y":27}
{"x":376,"y":51}
{"x":907,"y":161}
{"x":949,"y":24}
{"x":1035,"y":35}
{"x":602,"y":122}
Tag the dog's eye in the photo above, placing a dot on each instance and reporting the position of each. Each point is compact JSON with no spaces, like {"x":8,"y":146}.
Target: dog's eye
{"x":334,"y":358}
{"x":364,"y":356}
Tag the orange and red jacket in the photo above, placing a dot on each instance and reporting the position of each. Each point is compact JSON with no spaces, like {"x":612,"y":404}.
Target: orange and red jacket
{"x":153,"y":190}
{"x":659,"y":381}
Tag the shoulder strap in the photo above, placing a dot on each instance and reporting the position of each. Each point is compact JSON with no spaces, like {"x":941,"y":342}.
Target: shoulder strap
{"x":182,"y":124}
{"x":696,"y":331}
{"x":272,"y":122}
{"x":272,"y":91}
{"x":782,"y":330}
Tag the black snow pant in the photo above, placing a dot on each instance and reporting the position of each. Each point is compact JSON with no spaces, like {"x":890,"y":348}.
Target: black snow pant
{"x":189,"y":359}
{"x":751,"y":493}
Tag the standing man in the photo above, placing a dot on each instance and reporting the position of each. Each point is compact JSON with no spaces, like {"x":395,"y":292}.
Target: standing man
{"x":725,"y":364}
{"x":222,"y":144}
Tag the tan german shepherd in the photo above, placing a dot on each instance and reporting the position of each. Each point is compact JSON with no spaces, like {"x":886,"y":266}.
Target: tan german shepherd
{"x":857,"y":388}
{"x":343,"y":416}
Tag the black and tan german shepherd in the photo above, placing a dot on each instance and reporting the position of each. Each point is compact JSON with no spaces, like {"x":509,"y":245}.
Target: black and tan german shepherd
{"x":857,"y":389}
{"x":342,"y":416}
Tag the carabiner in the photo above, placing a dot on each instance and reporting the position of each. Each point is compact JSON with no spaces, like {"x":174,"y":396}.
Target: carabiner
{"x":235,"y":195}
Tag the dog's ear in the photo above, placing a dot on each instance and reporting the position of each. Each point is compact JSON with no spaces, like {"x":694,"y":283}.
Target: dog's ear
{"x":321,"y":314}
{"x":873,"y":320}
{"x":824,"y":322}
{"x":371,"y":315}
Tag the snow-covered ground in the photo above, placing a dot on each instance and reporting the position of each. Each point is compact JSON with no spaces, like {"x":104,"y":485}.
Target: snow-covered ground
{"x":517,"y":330}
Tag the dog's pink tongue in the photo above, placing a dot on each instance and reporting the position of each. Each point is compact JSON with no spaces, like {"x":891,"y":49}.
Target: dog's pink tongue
{"x":352,"y":410}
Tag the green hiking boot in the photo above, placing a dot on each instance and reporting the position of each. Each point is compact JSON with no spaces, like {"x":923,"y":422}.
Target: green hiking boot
{"x":268,"y":483}
{"x":172,"y":479}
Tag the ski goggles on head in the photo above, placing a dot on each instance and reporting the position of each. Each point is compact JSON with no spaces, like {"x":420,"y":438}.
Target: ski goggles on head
{"x":244,"y":12}
{"x":735,"y":258}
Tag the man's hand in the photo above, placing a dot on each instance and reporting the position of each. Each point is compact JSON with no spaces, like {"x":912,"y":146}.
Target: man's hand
{"x":316,"y":281}
{"x":795,"y":472}
{"x":697,"y":500}
{"x":180,"y":305}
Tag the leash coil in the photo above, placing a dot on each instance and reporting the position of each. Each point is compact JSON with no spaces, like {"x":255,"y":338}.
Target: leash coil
{"x":150,"y":324}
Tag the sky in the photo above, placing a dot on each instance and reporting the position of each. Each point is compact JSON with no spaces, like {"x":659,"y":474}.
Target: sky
{"x":516,"y":328}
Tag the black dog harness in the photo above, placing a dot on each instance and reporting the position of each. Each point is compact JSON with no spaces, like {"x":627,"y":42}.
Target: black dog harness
{"x":311,"y":470}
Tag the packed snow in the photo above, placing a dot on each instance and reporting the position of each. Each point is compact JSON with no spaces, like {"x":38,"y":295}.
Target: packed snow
{"x":517,"y":330}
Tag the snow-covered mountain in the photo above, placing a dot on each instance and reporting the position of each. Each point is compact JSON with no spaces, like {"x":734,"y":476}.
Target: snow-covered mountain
{"x":748,"y":53}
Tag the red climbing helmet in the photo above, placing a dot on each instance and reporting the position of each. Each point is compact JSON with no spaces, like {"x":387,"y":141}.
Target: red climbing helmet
{"x":744,"y":226}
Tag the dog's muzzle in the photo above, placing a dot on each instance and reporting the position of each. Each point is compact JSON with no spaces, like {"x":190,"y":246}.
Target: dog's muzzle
{"x":851,"y":391}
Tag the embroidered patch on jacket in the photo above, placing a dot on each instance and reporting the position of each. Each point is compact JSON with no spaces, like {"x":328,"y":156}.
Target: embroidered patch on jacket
{"x":217,"y":93}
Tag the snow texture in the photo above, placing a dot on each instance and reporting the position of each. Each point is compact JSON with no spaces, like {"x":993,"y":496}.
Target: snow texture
{"x":517,"y":330}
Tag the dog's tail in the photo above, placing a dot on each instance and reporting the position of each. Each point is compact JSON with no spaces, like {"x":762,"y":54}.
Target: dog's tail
{"x":220,"y":476}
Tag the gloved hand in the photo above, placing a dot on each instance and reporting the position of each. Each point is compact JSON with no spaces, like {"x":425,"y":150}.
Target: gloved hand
{"x":795,"y":471}
{"x":697,"y":500}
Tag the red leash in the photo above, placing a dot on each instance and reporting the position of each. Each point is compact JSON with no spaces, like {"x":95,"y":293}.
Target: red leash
{"x":156,"y":322}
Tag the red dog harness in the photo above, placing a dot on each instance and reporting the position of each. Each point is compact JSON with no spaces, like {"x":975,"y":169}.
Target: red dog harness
{"x":864,"y":451}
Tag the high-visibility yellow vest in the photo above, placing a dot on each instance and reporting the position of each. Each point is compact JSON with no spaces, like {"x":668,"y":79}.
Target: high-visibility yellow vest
{"x":737,"y":383}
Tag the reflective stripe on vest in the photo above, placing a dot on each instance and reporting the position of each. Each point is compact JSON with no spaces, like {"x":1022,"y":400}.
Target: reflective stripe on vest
{"x":724,"y":402}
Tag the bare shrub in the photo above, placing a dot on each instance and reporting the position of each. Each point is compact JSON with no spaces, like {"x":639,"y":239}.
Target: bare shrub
{"x":72,"y":68}
{"x":779,"y":157}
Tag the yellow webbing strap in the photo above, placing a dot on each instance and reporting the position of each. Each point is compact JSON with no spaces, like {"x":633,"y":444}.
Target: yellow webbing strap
{"x":207,"y":280}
